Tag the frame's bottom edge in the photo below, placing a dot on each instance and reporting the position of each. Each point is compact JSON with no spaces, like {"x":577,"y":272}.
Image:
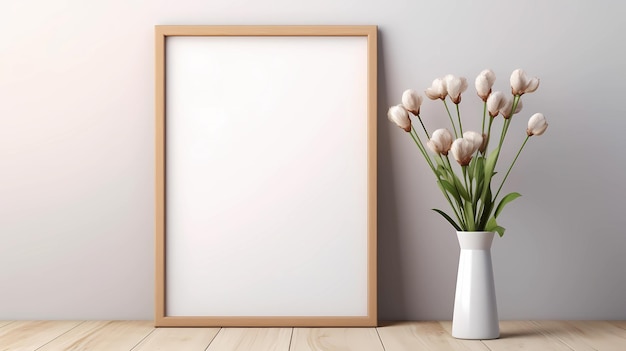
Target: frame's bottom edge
{"x":270,"y":322}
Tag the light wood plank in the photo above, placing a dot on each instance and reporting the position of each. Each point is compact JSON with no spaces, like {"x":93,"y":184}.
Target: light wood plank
{"x":102,"y":336}
{"x":30,"y":335}
{"x":3,"y":323}
{"x":423,"y":336}
{"x":176,"y":339}
{"x":567,"y":333}
{"x":345,"y":339}
{"x":251,"y":339}
{"x":619,"y":324}
{"x":600,"y":335}
{"x":524,"y":335}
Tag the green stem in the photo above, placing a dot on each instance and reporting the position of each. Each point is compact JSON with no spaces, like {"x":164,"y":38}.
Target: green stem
{"x":484,"y":116}
{"x":488,"y":134}
{"x":456,"y":135}
{"x":420,"y":146}
{"x":505,"y":128}
{"x":511,"y":167}
{"x":422,"y":123}
{"x":458,"y":114}
{"x":460,"y":215}
{"x":506,"y":125}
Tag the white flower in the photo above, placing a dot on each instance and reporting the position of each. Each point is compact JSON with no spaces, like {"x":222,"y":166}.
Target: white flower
{"x":462,"y":149}
{"x":455,"y":86}
{"x":484,"y":83}
{"x":508,"y":106}
{"x":520,"y":84}
{"x":495,"y":103}
{"x":400,"y":116}
{"x":536,"y":125}
{"x":440,"y":142}
{"x":411,"y":101}
{"x":438,"y":90}
{"x":475,"y":138}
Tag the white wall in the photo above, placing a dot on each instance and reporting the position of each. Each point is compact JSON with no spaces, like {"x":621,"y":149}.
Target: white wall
{"x":76,"y":151}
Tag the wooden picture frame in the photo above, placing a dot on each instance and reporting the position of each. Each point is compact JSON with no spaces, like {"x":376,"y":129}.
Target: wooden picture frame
{"x":266,"y":176}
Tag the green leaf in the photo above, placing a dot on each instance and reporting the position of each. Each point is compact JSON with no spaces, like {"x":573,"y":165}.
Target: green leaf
{"x":500,"y":230}
{"x":488,"y":206}
{"x":490,"y":165}
{"x":492,"y":226}
{"x":505,"y":200}
{"x":469,"y":216}
{"x":442,"y":171}
{"x":446,"y":186}
{"x":471,"y":168}
{"x":439,"y":161}
{"x":460,"y":188}
{"x":479,"y":170}
{"x":445,"y":215}
{"x":478,"y":190}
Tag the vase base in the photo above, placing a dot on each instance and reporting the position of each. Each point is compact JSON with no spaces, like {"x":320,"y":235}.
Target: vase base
{"x":477,"y":337}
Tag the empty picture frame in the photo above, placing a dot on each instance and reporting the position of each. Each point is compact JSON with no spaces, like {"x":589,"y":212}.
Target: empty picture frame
{"x":266,"y":175}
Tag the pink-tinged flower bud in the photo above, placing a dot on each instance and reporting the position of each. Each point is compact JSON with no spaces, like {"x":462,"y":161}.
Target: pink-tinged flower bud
{"x":495,"y":102}
{"x":475,"y":138}
{"x":508,"y":106}
{"x":438,"y":90}
{"x":411,"y":101}
{"x":440,"y":142}
{"x":483,"y":146}
{"x":462,"y":150}
{"x":484,"y":83}
{"x":400,"y":116}
{"x":520,"y":84}
{"x":536,"y":125}
{"x":456,"y":86}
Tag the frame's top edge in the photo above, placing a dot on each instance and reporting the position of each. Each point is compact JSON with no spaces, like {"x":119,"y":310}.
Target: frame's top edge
{"x":266,"y":30}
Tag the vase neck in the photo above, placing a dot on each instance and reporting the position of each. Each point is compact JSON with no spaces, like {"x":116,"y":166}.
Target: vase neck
{"x":475,"y":240}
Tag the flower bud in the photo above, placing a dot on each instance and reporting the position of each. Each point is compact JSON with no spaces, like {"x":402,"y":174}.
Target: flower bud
{"x":520,"y":84}
{"x":484,"y":81}
{"x":462,"y":149}
{"x":475,"y":138}
{"x":400,"y":116}
{"x":438,"y":90}
{"x":455,"y":86}
{"x":508,"y":106}
{"x":536,"y":125}
{"x":411,"y":101}
{"x":440,"y":142}
{"x":483,"y":146}
{"x":495,"y":102}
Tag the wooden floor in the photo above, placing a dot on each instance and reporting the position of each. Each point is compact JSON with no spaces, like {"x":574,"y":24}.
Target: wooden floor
{"x":142,"y":336}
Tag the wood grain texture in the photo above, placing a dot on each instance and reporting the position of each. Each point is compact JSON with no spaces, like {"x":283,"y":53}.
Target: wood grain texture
{"x":175,"y":339}
{"x":31,"y":335}
{"x":619,"y":324}
{"x":101,"y":336}
{"x":251,"y":339}
{"x":599,"y":335}
{"x":423,"y":336}
{"x":568,"y":334}
{"x":326,"y":339}
{"x":524,"y":335}
{"x":141,"y":336}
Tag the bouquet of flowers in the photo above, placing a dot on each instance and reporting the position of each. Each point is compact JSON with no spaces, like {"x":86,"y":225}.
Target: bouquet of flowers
{"x":467,"y":187}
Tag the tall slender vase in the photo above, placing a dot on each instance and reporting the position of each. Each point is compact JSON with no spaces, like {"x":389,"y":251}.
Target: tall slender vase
{"x":475,"y":309}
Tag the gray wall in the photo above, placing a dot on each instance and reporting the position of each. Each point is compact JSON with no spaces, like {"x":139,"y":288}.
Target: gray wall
{"x":76,"y":151}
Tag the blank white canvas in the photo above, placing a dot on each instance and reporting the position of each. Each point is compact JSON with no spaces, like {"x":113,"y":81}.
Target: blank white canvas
{"x":266,"y":176}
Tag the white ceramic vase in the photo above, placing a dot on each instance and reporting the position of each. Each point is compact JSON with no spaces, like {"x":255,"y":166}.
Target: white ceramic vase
{"x":475,"y":309}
